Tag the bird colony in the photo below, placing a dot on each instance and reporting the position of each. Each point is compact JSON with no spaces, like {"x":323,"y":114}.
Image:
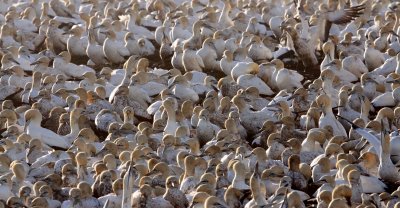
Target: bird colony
{"x":200,"y":103}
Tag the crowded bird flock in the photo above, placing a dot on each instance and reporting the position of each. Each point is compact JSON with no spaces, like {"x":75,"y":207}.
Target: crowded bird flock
{"x":200,"y":103}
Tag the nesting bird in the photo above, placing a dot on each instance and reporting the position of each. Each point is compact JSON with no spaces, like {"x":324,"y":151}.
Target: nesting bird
{"x":222,"y":103}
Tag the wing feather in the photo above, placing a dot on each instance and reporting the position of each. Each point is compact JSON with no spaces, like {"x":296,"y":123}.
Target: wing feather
{"x":341,"y":16}
{"x":345,"y":15}
{"x":371,"y":139}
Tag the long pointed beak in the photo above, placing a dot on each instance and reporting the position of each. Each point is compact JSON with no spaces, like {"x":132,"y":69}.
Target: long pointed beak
{"x":170,"y":85}
{"x":272,"y":105}
{"x":72,"y":146}
{"x":200,"y":183}
{"x":339,"y":106}
{"x":126,"y":7}
{"x":393,"y":81}
{"x":390,"y":81}
{"x":319,"y":183}
{"x":292,"y":97}
{"x":85,"y":113}
{"x":15,"y":61}
{"x":213,"y":46}
{"x":329,"y":55}
{"x":208,"y":26}
{"x":328,"y":64}
{"x":201,"y":10}
{"x":128,"y":172}
{"x":35,"y":63}
{"x":5,"y":134}
{"x":394,"y":33}
{"x":26,"y":125}
{"x":374,"y":81}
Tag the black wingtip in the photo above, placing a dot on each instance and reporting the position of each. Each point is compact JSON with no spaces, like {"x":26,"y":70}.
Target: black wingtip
{"x":58,"y":148}
{"x":353,"y":125}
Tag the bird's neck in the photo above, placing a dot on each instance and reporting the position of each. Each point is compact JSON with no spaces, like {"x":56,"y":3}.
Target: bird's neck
{"x":343,"y":103}
{"x":36,"y":84}
{"x":35,"y":122}
{"x":309,"y":144}
{"x":11,"y":121}
{"x":256,"y":191}
{"x":189,"y":171}
{"x":225,"y":12}
{"x":128,"y":119}
{"x":328,"y":110}
{"x":385,"y":153}
{"x":239,"y":176}
{"x":171,"y":115}
{"x":74,"y":126}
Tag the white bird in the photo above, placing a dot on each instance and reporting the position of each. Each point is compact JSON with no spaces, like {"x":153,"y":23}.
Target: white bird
{"x":181,"y":29}
{"x":387,"y":170}
{"x":63,"y":63}
{"x":190,"y":59}
{"x":258,"y":51}
{"x":242,"y":68}
{"x":163,"y":32}
{"x":129,"y":67}
{"x":224,"y":20}
{"x":152,"y":88}
{"x":227,"y":63}
{"x":172,"y":124}
{"x":181,"y":88}
{"x":95,"y":51}
{"x":206,"y":129}
{"x":231,"y":44}
{"x":77,"y":42}
{"x":138,"y":29}
{"x":131,"y":43}
{"x":388,"y":67}
{"x":256,"y":28}
{"x":33,"y":119}
{"x":328,"y":118}
{"x":55,"y":37}
{"x":345,"y":76}
{"x":144,"y":48}
{"x":105,"y":117}
{"x":252,"y":120}
{"x":397,"y":71}
{"x":114,"y":49}
{"x":209,"y":55}
{"x":5,"y":187}
{"x":355,"y":65}
{"x":285,"y":78}
{"x":251,"y":80}
{"x":25,"y":58}
{"x":328,"y":77}
{"x":60,"y":9}
{"x":373,"y":58}
{"x":138,"y":94}
{"x":387,"y":99}
{"x":176,"y":60}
